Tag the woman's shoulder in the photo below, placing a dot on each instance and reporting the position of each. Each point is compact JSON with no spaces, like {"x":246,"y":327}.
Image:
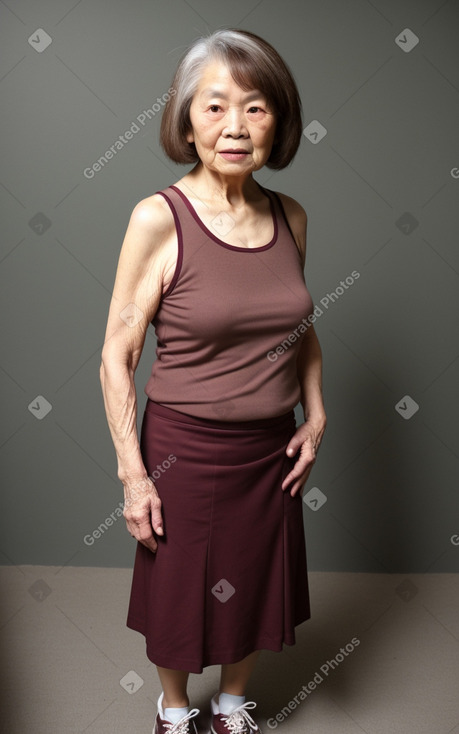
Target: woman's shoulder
{"x":297,"y":219}
{"x":150,"y":231}
{"x":153,"y":212}
{"x":292,"y":207}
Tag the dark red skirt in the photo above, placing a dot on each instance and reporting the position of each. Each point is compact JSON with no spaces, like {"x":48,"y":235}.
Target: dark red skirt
{"x":229,"y":576}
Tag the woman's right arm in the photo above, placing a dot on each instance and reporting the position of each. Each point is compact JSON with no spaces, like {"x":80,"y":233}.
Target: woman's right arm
{"x":145,"y":265}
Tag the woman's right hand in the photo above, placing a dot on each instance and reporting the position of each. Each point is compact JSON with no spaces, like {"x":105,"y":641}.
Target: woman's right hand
{"x":142,"y":511}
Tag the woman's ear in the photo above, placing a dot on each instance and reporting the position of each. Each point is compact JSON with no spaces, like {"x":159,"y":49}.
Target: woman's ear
{"x":190,"y":136}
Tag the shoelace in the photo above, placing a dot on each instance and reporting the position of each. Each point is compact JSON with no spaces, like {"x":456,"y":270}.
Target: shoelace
{"x":239,"y":720}
{"x":182,"y":726}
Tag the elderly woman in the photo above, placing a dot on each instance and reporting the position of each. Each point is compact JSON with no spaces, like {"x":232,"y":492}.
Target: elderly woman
{"x":213,"y":489}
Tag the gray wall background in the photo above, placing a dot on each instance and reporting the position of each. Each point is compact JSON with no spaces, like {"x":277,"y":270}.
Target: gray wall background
{"x":381,"y":191}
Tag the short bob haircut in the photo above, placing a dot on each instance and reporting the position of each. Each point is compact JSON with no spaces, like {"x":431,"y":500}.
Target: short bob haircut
{"x":253,"y":64}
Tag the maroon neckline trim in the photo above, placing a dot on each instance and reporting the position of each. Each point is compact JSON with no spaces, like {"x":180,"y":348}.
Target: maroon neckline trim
{"x":216,"y":239}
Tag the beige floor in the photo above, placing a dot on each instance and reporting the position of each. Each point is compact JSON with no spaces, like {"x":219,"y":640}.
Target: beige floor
{"x":65,"y":649}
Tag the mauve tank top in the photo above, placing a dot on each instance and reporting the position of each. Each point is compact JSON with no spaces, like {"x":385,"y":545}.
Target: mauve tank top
{"x":230,"y":324}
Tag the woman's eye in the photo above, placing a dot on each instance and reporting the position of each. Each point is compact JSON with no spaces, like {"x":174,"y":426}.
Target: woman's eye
{"x":214,"y":107}
{"x":254,"y":109}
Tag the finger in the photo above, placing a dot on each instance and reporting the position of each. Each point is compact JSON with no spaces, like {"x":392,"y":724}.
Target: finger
{"x":298,"y":485}
{"x":291,"y":477}
{"x":156,"y":517}
{"x":298,"y":441}
{"x":149,"y":542}
{"x":300,"y":467}
{"x":144,"y":534}
{"x":293,"y":445}
{"x":299,"y":482}
{"x":297,"y":488}
{"x":152,"y":545}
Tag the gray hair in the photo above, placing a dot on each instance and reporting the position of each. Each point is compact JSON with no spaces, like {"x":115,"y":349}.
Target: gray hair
{"x":254,"y":64}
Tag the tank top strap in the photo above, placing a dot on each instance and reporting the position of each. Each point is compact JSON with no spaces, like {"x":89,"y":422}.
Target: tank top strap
{"x":285,"y":234}
{"x":179,"y":204}
{"x":185,"y":224}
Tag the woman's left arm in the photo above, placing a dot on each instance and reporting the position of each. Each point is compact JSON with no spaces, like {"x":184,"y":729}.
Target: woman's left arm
{"x":308,"y":435}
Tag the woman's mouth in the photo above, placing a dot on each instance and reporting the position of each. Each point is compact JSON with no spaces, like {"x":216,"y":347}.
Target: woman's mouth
{"x":234,"y":155}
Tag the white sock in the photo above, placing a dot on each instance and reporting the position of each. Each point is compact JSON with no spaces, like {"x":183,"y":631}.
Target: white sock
{"x":172,"y":714}
{"x":175,"y":714}
{"x":227,"y":702}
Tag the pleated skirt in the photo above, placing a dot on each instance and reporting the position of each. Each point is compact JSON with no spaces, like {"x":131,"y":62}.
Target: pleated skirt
{"x":230,"y":573}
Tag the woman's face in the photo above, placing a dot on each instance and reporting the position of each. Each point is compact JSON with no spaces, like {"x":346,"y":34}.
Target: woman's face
{"x":226,"y":118}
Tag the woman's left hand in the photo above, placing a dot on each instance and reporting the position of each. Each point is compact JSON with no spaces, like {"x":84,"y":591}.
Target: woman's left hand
{"x":307,"y":440}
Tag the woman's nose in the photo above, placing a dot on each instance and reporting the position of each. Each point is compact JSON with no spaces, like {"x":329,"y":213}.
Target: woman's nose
{"x":234,"y":124}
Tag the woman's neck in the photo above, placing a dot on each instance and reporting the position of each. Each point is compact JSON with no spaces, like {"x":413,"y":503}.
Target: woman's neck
{"x":212,"y":186}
